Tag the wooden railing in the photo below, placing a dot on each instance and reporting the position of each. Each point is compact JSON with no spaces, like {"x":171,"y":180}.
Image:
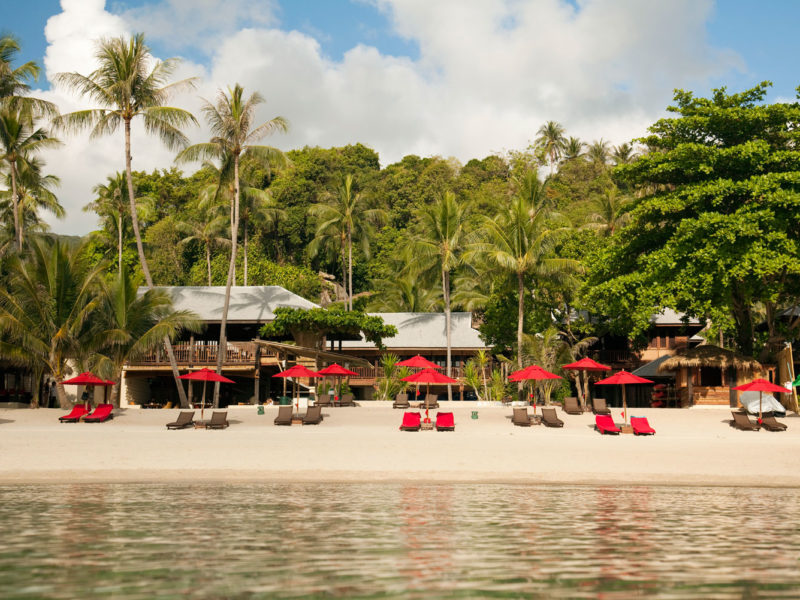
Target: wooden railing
{"x":616,"y":356}
{"x":202,"y":354}
{"x":377,"y":373}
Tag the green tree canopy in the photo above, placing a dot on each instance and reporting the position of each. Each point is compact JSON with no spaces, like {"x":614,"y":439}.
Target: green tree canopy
{"x":335,"y":322}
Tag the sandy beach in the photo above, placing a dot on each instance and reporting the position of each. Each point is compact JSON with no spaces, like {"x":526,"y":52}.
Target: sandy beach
{"x":691,"y":447}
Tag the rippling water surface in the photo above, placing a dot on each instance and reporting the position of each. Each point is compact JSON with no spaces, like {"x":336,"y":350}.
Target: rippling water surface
{"x":403,"y":540}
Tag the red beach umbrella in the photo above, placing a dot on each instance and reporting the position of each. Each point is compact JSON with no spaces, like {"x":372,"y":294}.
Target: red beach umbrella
{"x":586,"y":365}
{"x":295,"y":372}
{"x":761,"y":386}
{"x":87,"y":378}
{"x":205,"y":375}
{"x":428,"y":376}
{"x":623,"y":378}
{"x":419,"y":362}
{"x":335,"y":370}
{"x":535,"y":373}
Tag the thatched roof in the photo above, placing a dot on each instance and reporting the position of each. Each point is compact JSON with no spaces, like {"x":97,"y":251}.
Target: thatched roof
{"x":709,"y":356}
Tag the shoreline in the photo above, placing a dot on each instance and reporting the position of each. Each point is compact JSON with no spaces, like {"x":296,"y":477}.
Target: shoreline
{"x":363,"y":445}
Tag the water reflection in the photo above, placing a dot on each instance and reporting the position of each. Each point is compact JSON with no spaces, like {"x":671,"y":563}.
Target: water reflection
{"x":355,"y":540}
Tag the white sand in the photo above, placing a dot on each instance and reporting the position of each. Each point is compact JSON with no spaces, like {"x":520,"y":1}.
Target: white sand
{"x":691,"y":447}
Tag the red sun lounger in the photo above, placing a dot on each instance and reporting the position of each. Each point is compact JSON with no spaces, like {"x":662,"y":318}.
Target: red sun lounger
{"x":73,"y":417}
{"x":411,"y":421}
{"x":605,"y":424}
{"x":100,"y":414}
{"x":641,"y":426}
{"x":445,"y":421}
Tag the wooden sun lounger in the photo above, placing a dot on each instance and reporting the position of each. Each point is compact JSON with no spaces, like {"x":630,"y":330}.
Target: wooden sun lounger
{"x":550,"y":418}
{"x":641,"y":426}
{"x":347,"y":400}
{"x":313,"y":415}
{"x":770,"y":423}
{"x":605,"y":424}
{"x":432,"y":400}
{"x":571,"y":406}
{"x":100,"y":414}
{"x":219,"y":420}
{"x":401,"y":401}
{"x":445,"y":421}
{"x":185,"y":419}
{"x":521,"y":417}
{"x":411,"y":421}
{"x":284,"y":415}
{"x":742,"y":422}
{"x":323,"y":400}
{"x":599,"y":406}
{"x":78,"y":411}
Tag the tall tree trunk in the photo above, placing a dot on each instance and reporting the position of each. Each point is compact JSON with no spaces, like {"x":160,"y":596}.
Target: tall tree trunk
{"x":119,"y":244}
{"x":446,"y":292}
{"x":143,"y":260}
{"x":61,"y":394}
{"x":208,"y":263}
{"x":520,"y":321}
{"x":344,"y":272}
{"x":350,"y":268}
{"x":15,"y":205}
{"x":244,"y":256}
{"x":223,"y":336}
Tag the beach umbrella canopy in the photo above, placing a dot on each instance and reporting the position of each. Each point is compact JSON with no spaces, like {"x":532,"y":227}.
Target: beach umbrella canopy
{"x":535,"y":373}
{"x":295,"y":372}
{"x":419,"y":362}
{"x":623,"y":378}
{"x":586,"y":364}
{"x":760,"y":386}
{"x":428,"y":376}
{"x":336,"y":371}
{"x":86,"y":379}
{"x":205,"y":375}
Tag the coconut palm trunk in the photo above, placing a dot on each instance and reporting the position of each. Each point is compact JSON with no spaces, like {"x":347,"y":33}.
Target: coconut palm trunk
{"x":143,"y":260}
{"x":15,"y":206}
{"x":349,"y":268}
{"x":446,"y":294}
{"x":223,"y":337}
{"x":244,"y":250}
{"x":208,"y":263}
{"x":119,"y":243}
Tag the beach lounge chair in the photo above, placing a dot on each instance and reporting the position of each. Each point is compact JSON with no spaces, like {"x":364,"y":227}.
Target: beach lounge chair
{"x":432,"y":400}
{"x":313,"y":415}
{"x":770,"y":423}
{"x":323,"y":400}
{"x":75,"y":414}
{"x":219,"y":420}
{"x":571,"y":406}
{"x":521,"y":417}
{"x":742,"y":421}
{"x":411,"y":421}
{"x":445,"y":421}
{"x":599,"y":406}
{"x":401,"y":401}
{"x":347,"y":400}
{"x":100,"y":414}
{"x":550,"y":418}
{"x":185,"y":419}
{"x":641,"y":426}
{"x":284,"y":415}
{"x":605,"y":424}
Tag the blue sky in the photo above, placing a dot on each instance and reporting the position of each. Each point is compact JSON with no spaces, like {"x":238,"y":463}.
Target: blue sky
{"x":763,"y":33}
{"x":454,"y":78}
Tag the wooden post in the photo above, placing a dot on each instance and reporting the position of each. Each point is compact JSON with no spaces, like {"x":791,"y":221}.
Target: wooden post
{"x":690,"y":384}
{"x":257,"y":385}
{"x":792,"y":376}
{"x":191,"y":354}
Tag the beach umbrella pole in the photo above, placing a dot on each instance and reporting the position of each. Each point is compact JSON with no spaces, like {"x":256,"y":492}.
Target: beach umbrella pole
{"x":624,"y":405}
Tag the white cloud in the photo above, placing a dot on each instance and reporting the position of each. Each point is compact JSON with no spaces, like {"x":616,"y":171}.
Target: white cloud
{"x":490,"y":72}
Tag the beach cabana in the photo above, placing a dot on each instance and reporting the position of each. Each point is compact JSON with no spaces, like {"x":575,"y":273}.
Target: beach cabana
{"x":706,"y":375}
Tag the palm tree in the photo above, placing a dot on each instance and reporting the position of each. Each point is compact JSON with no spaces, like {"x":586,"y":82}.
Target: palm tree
{"x":110,"y":205}
{"x":611,"y":212}
{"x":599,"y":152}
{"x":573,"y":148}
{"x":623,"y":154}
{"x":130,"y":83}
{"x":343,"y":220}
{"x":439,"y":245}
{"x":404,"y":293}
{"x":208,"y":229}
{"x":45,"y":307}
{"x":520,"y":241}
{"x":20,"y":139}
{"x":34,"y":193}
{"x":14,"y":87}
{"x":130,"y":325}
{"x":548,"y":350}
{"x":231,"y":123}
{"x":550,"y":139}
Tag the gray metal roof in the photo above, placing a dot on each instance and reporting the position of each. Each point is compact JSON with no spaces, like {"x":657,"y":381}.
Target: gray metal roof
{"x":651,"y":369}
{"x":249,"y":304}
{"x":670,"y":317}
{"x":425,"y":330}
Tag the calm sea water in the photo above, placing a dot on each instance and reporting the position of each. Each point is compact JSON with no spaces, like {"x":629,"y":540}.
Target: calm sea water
{"x":405,"y":540}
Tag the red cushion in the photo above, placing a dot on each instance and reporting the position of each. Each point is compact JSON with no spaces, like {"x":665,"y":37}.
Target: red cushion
{"x":445,"y":419}
{"x":411,"y":419}
{"x":77,"y":411}
{"x":640,"y":425}
{"x":606,"y":423}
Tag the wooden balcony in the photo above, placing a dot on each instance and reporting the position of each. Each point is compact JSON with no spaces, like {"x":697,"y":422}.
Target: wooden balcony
{"x":203,"y":354}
